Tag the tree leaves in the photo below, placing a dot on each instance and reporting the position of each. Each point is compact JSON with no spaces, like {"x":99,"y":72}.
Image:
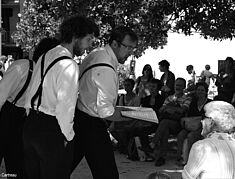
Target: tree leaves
{"x":150,"y":19}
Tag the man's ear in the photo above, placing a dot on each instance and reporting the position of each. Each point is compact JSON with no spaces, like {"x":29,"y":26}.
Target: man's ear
{"x":114,"y":44}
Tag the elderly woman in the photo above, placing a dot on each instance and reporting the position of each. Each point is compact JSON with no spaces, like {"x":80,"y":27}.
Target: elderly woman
{"x":214,"y":156}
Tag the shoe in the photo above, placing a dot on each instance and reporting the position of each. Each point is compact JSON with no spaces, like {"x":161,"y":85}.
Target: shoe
{"x":159,"y":162}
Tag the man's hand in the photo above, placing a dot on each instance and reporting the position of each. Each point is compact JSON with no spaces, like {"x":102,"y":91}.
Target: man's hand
{"x":65,"y":143}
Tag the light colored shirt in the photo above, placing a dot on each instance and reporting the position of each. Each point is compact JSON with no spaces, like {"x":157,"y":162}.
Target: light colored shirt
{"x":181,"y":101}
{"x":212,"y":158}
{"x":98,"y":88}
{"x":208,"y":75}
{"x":60,"y":88}
{"x":13,"y":81}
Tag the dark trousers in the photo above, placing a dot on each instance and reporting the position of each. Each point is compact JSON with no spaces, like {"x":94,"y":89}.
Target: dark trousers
{"x":192,"y":136}
{"x":92,"y":141}
{"x":11,"y":147}
{"x":165,"y":128}
{"x":46,"y":156}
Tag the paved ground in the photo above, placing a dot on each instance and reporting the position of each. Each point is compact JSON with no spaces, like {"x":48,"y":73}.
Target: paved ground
{"x":127,"y":169}
{"x":132,"y":169}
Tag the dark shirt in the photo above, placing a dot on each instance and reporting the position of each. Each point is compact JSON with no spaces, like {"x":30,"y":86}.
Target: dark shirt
{"x":159,"y":100}
{"x":170,"y":82}
{"x":193,"y":108}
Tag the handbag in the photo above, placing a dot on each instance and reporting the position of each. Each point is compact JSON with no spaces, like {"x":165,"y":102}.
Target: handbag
{"x":192,"y":123}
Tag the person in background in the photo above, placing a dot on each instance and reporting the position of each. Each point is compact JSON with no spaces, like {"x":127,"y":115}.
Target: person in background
{"x":207,"y":75}
{"x":98,"y":91}
{"x":51,"y":98}
{"x":214,"y":156}
{"x":12,"y":102}
{"x":154,"y":101}
{"x":3,"y":59}
{"x":119,"y":129}
{"x":225,"y":82}
{"x":167,"y":79}
{"x":141,"y":81}
{"x":190,"y":80}
{"x":195,"y":112}
{"x":173,"y":109}
{"x":2,"y":71}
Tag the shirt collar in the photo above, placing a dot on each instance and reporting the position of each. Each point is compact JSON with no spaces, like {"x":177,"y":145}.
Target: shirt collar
{"x":221,"y":135}
{"x":65,"y":51}
{"x":111,"y":53}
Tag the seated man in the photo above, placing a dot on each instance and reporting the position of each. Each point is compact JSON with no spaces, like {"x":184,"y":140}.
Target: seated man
{"x":170,"y":113}
{"x":214,"y":156}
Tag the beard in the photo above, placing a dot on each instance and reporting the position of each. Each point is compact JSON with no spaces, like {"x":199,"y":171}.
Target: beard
{"x":77,"y":50}
{"x":122,"y":60}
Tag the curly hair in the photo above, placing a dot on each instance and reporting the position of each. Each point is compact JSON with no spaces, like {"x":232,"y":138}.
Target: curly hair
{"x":78,"y":27}
{"x":223,"y":115}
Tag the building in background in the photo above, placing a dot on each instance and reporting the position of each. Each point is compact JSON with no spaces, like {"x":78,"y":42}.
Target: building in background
{"x":9,"y":12}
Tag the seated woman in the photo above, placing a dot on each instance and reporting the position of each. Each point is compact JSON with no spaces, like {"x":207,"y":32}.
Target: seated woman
{"x":154,"y":101}
{"x":117,"y":129}
{"x":194,"y":113}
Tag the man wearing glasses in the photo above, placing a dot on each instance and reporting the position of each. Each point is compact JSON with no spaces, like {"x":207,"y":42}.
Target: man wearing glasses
{"x":98,"y":89}
{"x":214,"y":156}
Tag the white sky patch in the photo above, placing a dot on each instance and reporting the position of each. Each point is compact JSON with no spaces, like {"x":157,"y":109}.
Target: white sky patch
{"x":183,"y":50}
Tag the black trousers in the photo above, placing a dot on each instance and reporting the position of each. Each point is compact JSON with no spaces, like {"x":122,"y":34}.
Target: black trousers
{"x":11,"y":147}
{"x":92,"y":141}
{"x":45,"y":154}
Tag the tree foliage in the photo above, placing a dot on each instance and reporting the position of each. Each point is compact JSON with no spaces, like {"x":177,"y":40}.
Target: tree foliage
{"x":151,"y":19}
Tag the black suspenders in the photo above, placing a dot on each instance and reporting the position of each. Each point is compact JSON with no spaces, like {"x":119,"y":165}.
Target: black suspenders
{"x":38,"y":93}
{"x":93,"y":66}
{"x":21,"y":92}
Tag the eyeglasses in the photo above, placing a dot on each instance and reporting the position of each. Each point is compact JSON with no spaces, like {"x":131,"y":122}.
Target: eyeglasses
{"x":129,"y":48}
{"x":206,"y":117}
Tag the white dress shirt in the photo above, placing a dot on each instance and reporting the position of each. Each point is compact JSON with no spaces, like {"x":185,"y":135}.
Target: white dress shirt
{"x":13,"y":81}
{"x":98,"y":88}
{"x":60,"y":88}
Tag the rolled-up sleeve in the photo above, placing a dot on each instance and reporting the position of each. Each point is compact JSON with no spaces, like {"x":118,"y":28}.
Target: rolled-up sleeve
{"x":105,"y":79}
{"x":67,"y":84}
